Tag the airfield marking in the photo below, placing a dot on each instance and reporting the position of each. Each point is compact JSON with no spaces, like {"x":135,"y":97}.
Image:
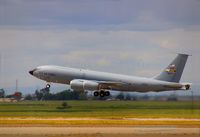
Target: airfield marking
{"x":131,"y":119}
{"x":92,"y":130}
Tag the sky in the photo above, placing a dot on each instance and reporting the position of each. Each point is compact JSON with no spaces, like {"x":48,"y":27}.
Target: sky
{"x":132,"y":37}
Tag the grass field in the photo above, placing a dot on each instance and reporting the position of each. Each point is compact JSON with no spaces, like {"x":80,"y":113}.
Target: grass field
{"x":99,"y":113}
{"x":101,"y":109}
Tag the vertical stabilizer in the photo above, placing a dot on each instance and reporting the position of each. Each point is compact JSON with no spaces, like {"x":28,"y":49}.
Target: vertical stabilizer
{"x":175,"y":69}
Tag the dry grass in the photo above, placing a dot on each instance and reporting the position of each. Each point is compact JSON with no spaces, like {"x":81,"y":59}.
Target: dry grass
{"x":66,"y":122}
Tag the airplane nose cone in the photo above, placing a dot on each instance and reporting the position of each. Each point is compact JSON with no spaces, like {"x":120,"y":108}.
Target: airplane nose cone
{"x":31,"y":72}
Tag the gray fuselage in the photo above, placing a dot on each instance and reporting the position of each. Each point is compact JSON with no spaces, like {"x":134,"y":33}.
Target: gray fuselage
{"x":65,"y":75}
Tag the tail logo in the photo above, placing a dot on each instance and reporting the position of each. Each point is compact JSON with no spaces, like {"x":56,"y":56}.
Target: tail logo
{"x":171,"y":69}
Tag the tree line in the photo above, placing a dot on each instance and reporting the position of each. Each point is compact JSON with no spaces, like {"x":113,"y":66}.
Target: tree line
{"x":44,"y":94}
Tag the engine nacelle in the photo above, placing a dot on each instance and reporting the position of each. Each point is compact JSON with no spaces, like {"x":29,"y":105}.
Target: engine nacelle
{"x":82,"y":85}
{"x":77,"y":85}
{"x":90,"y":85}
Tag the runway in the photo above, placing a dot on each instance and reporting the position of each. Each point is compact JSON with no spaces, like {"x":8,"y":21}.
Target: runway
{"x":99,"y":131}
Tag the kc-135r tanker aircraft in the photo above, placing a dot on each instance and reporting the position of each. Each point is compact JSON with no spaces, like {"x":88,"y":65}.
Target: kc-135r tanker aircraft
{"x":102,"y":82}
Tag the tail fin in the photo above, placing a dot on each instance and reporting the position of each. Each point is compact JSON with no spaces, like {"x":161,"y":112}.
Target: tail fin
{"x":174,"y":71}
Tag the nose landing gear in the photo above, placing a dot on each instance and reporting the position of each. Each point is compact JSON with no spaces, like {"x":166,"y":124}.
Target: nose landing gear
{"x":46,"y":89}
{"x":48,"y":86}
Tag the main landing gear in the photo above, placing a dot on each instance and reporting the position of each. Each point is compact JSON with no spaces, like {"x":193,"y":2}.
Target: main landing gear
{"x":101,"y":93}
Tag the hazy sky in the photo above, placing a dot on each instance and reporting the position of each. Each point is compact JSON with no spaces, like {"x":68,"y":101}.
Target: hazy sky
{"x":134,"y":37}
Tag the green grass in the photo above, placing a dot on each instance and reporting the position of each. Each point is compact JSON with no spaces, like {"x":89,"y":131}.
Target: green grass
{"x":101,"y":109}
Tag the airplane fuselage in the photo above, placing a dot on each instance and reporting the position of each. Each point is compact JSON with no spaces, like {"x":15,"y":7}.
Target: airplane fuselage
{"x":65,"y":75}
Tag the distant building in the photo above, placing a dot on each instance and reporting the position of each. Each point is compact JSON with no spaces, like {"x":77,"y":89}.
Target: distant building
{"x":17,"y":95}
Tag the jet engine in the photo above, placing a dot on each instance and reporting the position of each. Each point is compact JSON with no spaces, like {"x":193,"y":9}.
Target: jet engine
{"x":82,"y":85}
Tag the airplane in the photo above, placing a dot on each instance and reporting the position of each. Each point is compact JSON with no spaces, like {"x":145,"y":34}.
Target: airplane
{"x":102,"y":82}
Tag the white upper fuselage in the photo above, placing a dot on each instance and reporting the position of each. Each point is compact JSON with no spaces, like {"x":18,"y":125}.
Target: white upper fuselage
{"x":65,"y":75}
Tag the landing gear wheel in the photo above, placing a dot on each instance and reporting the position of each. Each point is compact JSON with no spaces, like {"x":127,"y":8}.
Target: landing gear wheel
{"x":96,"y":93}
{"x":102,"y":93}
{"x":107,"y":93}
{"x":48,"y":86}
